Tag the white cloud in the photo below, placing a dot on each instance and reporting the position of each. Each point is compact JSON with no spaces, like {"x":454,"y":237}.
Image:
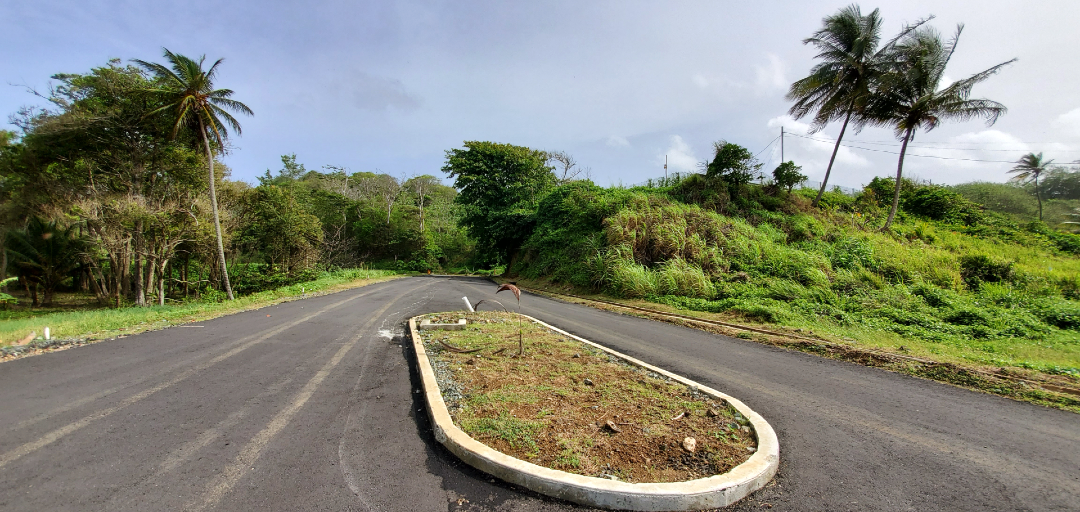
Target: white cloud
{"x":945,"y":82}
{"x":771,"y":75}
{"x":616,"y":141}
{"x":680,"y":156}
{"x":1069,"y":122}
{"x":790,"y":124}
{"x":700,"y":81}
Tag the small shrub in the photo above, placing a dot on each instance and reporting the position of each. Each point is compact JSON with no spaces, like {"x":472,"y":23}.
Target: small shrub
{"x":967,"y":317}
{"x":979,"y":268}
{"x":942,"y":204}
{"x":935,"y":297}
{"x":1061,"y":314}
{"x":851,"y":253}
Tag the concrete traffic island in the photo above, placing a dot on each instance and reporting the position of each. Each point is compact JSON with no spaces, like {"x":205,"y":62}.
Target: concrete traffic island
{"x":710,"y":492}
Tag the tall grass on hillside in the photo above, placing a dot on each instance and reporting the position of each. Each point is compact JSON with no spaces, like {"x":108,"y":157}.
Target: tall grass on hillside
{"x":991,"y":292}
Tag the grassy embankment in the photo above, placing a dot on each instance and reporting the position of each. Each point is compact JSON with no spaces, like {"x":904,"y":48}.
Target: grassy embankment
{"x":96,"y":324}
{"x":978,"y":291}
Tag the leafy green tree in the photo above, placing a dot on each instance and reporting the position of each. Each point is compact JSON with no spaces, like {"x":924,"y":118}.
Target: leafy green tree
{"x":911,"y":97}
{"x":290,"y":172}
{"x":1061,"y":183}
{"x":787,"y":175}
{"x":732,"y":164}
{"x":500,"y":187}
{"x":1029,"y":168}
{"x":99,"y":156}
{"x":840,"y":86}
{"x":194,"y":104}
{"x":276,"y":226}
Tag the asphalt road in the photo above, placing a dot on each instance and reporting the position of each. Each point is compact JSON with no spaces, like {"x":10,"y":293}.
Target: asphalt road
{"x":313,"y":405}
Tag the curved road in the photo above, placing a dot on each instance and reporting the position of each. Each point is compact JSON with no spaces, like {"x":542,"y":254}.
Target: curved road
{"x":313,"y":405}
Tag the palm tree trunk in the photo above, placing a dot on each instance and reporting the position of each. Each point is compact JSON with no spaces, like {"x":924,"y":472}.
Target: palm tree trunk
{"x":3,"y":261}
{"x":214,"y":206}
{"x":1038,"y":195}
{"x":833,"y":158}
{"x":899,"y":174}
{"x":161,"y":289}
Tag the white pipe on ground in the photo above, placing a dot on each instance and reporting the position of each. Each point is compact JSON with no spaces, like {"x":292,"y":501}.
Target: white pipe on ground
{"x":468,"y":305}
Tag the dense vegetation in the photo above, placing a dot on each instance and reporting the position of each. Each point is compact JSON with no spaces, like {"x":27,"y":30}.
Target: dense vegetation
{"x":971,"y":278}
{"x":107,"y":194}
{"x":103,"y":194}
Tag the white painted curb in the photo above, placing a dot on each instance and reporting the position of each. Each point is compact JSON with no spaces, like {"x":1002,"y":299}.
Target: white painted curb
{"x":712,"y":492}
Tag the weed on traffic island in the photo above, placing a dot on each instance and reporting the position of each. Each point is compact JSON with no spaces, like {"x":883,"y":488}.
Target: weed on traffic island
{"x":568,"y":406}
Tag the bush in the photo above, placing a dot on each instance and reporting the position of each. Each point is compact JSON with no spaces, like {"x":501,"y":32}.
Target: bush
{"x":942,"y":204}
{"x":979,"y":268}
{"x":851,"y":253}
{"x":256,"y":277}
{"x":1061,"y":314}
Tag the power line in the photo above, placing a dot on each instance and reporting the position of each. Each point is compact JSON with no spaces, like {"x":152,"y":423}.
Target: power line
{"x":912,"y":154}
{"x":923,"y":146}
{"x":767,"y":147}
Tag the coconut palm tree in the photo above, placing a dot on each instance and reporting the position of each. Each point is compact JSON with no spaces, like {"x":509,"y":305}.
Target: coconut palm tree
{"x":1030,"y":166}
{"x":841,"y":84}
{"x":194,"y":104}
{"x":911,"y":98}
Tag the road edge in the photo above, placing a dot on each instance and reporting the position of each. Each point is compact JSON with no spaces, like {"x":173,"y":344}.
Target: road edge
{"x":712,"y":492}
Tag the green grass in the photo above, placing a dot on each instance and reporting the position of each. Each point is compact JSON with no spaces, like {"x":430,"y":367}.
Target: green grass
{"x":106,"y":323}
{"x":991,"y":292}
{"x":518,"y":433}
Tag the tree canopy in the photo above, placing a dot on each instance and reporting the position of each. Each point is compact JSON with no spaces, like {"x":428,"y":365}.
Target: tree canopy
{"x":500,"y":186}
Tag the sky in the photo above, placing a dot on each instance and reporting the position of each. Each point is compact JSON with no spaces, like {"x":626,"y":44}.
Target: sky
{"x":390,"y":86}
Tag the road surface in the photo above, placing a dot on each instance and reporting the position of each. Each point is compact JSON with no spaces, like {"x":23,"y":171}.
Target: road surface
{"x":313,"y":405}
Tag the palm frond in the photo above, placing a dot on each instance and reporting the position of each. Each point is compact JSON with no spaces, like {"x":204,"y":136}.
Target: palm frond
{"x":232,"y":105}
{"x":228,"y":118}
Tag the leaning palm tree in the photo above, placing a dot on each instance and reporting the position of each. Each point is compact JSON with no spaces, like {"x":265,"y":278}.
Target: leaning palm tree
{"x":194,"y":104}
{"x":840,"y":86}
{"x":1030,"y":166}
{"x":911,"y":97}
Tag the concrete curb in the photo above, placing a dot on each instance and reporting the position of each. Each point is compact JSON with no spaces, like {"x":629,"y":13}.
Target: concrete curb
{"x":712,"y":492}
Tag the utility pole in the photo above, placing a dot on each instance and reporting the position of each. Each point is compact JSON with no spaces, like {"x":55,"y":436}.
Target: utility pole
{"x":665,"y":167}
{"x":781,"y":144}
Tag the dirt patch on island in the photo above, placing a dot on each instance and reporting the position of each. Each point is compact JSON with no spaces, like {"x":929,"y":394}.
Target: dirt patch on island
{"x":568,"y":406}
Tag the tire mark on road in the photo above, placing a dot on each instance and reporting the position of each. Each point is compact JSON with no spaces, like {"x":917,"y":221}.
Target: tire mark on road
{"x":251,"y":452}
{"x":358,"y":414}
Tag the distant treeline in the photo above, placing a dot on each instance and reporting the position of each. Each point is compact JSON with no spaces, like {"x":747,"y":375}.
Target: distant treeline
{"x":101,"y":195}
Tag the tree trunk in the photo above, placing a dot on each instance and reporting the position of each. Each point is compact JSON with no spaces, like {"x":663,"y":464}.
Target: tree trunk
{"x":836,"y":148}
{"x":32,"y":291}
{"x":151,"y":273}
{"x":97,"y":282}
{"x":161,"y":288}
{"x":214,"y":205}
{"x":3,"y":261}
{"x":184,"y":272}
{"x":1038,"y":195}
{"x":899,"y":174}
{"x":140,"y":289}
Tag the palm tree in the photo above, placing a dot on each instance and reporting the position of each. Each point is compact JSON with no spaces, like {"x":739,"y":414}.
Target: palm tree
{"x":840,"y":86}
{"x":911,"y":97}
{"x":44,"y":255}
{"x":1030,"y":166}
{"x":195,"y":105}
